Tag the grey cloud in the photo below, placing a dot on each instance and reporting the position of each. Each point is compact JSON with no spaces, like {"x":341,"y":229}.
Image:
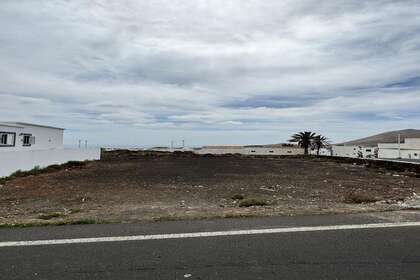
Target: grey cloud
{"x":208,"y":66}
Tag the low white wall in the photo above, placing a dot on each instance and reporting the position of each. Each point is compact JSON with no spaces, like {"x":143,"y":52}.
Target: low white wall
{"x":252,"y":151}
{"x":353,"y":151}
{"x":26,"y":160}
{"x":393,"y":153}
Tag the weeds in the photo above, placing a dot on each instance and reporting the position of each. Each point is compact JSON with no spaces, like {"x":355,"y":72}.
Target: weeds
{"x":238,"y":197}
{"x":75,"y":210}
{"x":359,"y":197}
{"x":247,"y":202}
{"x":38,"y":170}
{"x":50,"y":216}
{"x":56,"y":223}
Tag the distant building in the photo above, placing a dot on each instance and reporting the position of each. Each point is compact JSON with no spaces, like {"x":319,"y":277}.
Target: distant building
{"x":354,"y":151}
{"x":410,"y":149}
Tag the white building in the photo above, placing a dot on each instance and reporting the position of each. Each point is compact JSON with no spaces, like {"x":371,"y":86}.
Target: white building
{"x":24,"y":136}
{"x":354,"y":151}
{"x":410,"y":149}
{"x":24,"y":146}
{"x":250,"y":150}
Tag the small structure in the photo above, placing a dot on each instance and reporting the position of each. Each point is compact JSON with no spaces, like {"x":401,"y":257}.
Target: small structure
{"x":410,"y":149}
{"x":24,"y":146}
{"x":354,"y":151}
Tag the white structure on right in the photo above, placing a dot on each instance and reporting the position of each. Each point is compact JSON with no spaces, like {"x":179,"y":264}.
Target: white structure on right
{"x":353,"y":151}
{"x":251,"y":150}
{"x":410,"y":149}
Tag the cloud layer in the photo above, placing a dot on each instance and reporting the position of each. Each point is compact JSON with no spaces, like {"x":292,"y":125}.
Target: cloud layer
{"x":237,"y":71}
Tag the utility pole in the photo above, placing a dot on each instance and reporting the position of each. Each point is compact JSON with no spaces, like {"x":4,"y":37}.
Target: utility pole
{"x":183,"y":144}
{"x":80,"y":143}
{"x":172,"y":144}
{"x":85,"y":144}
{"x":399,"y":145}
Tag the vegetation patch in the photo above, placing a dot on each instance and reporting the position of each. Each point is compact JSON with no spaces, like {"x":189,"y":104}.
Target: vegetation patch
{"x":360,"y":197}
{"x":38,"y":170}
{"x":50,"y":216}
{"x":238,"y":197}
{"x":56,"y":223}
{"x":248,"y":202}
{"x":75,"y":210}
{"x":81,"y":222}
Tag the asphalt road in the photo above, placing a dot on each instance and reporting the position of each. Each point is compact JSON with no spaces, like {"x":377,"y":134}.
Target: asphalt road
{"x":374,"y":253}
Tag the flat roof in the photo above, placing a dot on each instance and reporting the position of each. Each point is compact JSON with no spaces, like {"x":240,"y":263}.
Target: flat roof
{"x":23,"y":124}
{"x":9,"y":125}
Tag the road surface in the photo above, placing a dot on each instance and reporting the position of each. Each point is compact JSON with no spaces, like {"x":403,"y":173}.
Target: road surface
{"x":369,"y":246}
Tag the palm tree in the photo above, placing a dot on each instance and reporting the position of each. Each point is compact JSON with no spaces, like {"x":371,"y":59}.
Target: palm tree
{"x":319,"y":142}
{"x":303,"y":139}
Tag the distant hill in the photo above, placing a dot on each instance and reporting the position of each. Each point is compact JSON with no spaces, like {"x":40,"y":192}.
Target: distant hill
{"x":387,"y":137}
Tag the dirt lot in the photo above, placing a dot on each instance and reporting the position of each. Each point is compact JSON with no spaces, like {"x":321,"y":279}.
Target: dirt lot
{"x":134,"y":186}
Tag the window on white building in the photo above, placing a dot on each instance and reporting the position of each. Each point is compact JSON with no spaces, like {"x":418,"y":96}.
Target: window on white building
{"x":28,"y":140}
{"x":3,"y":139}
{"x":7,"y":139}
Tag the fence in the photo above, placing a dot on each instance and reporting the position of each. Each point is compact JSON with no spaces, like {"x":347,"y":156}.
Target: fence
{"x":26,"y":160}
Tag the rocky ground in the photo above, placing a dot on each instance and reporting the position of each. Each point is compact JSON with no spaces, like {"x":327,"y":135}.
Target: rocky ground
{"x":137,"y":186}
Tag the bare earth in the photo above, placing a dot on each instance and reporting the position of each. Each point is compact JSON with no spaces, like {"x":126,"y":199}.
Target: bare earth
{"x":133,"y":186}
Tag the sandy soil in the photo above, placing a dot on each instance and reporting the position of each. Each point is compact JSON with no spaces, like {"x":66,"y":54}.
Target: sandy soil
{"x":134,"y":186}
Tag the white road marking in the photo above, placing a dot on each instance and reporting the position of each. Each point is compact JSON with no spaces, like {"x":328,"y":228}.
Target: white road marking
{"x":204,"y":234}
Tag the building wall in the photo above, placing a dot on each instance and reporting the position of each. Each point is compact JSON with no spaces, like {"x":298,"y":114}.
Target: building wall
{"x":273,"y":151}
{"x":412,"y":142}
{"x":12,"y":161}
{"x":219,"y":151}
{"x":393,"y":153}
{"x":251,"y":151}
{"x":45,"y":138}
{"x":410,"y":149}
{"x":322,"y":152}
{"x":353,"y":151}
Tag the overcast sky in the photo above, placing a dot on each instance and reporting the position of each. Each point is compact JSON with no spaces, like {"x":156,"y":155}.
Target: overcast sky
{"x":210,"y":72}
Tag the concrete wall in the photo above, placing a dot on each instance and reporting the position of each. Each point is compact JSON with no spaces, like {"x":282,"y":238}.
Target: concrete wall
{"x":322,"y":152}
{"x":26,"y":160}
{"x":353,"y":151}
{"x":393,"y":153}
{"x":218,"y":151}
{"x":251,"y":151}
{"x":412,"y":142}
{"x":45,"y":137}
{"x":410,"y":149}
